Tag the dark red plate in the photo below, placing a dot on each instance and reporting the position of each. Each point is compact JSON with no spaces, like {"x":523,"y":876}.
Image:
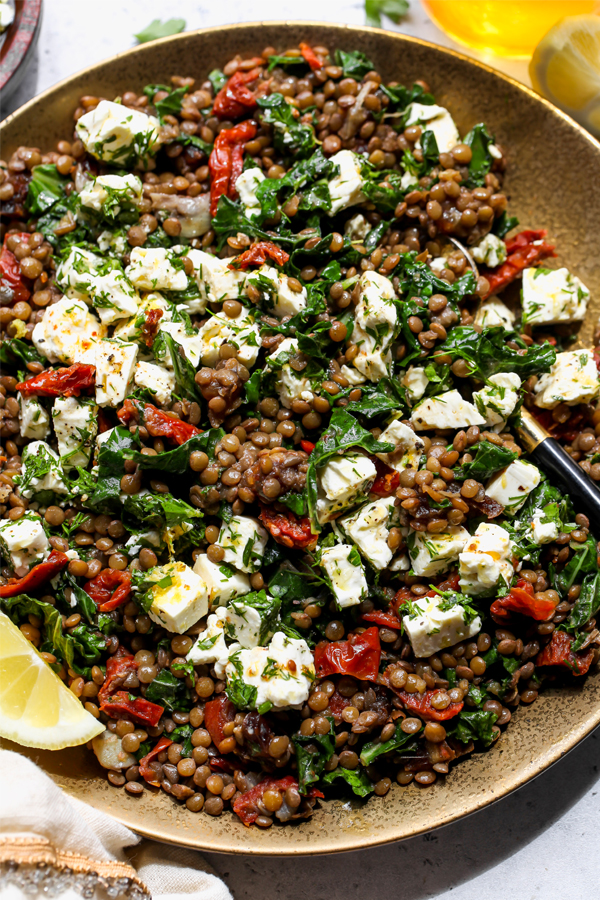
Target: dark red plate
{"x":18,"y":44}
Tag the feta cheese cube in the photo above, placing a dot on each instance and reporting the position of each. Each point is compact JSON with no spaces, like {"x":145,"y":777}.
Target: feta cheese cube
{"x":572,"y":379}
{"x":41,"y":473}
{"x":250,"y":620}
{"x":116,"y":134}
{"x":110,"y":194}
{"x":436,"y":119}
{"x":210,"y":648}
{"x":485,"y":562}
{"x":553,"y":295}
{"x":343,"y":481}
{"x":345,"y":189}
{"x":415,"y":382}
{"x":346,"y":573}
{"x":281,"y":673}
{"x":192,"y":344}
{"x":241,"y":332}
{"x":544,"y":529}
{"x":369,"y":528}
{"x":375,"y":320}
{"x":156,"y":269}
{"x":494,"y":312}
{"x":113,"y":242}
{"x":34,"y":421}
{"x":431,"y":554}
{"x":85,"y":274}
{"x":75,"y":422}
{"x":221,"y":582}
{"x":179,"y":597}
{"x":67,"y":332}
{"x":290,"y":385}
{"x":434,"y":629}
{"x":216,"y":281}
{"x":131,"y":329}
{"x":287,"y":301}
{"x":244,"y":540}
{"x":23,"y":542}
{"x":357,"y":228}
{"x":447,"y":410}
{"x":352,"y":376}
{"x":497,"y":400}
{"x":156,"y":379}
{"x":512,"y":485}
{"x":409,"y":447}
{"x":489,"y":251}
{"x":246,"y":186}
{"x":115,"y":364}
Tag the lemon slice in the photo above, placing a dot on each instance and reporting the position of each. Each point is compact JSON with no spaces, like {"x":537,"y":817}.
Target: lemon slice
{"x":565,"y":68}
{"x":36,"y":708}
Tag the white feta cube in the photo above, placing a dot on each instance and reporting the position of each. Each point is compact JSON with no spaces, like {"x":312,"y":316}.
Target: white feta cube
{"x":485,"y":562}
{"x":193,"y":344}
{"x":216,"y":281}
{"x":210,"y":648}
{"x":290,"y":385}
{"x":75,"y":422}
{"x":494,"y":312}
{"x":447,"y":410}
{"x":497,"y":400}
{"x":179,"y":597}
{"x":244,"y":540}
{"x":345,"y":189}
{"x":357,"y":228}
{"x":553,"y":295}
{"x":222,"y":583}
{"x":415,"y":382}
{"x":436,"y":119}
{"x":282,"y":672}
{"x":512,"y":485}
{"x":434,"y":629}
{"x":34,"y":421}
{"x":116,"y":134}
{"x":246,"y":186}
{"x":112,"y":193}
{"x":343,"y":482}
{"x":544,"y":529}
{"x":156,"y":269}
{"x":115,"y":365}
{"x":40,"y":471}
{"x":23,"y":542}
{"x":156,"y":379}
{"x":431,"y":554}
{"x":352,"y":376}
{"x":489,"y":251}
{"x":131,"y":329}
{"x":287,"y":301}
{"x":369,"y":528}
{"x":572,"y":379}
{"x":409,"y":447}
{"x":85,"y":274}
{"x":346,"y":573}
{"x":375,"y":320}
{"x":241,"y":332}
{"x":251,"y":620}
{"x":67,"y":331}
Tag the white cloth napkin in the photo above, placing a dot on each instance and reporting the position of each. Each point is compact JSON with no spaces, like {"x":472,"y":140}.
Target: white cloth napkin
{"x":32,"y":805}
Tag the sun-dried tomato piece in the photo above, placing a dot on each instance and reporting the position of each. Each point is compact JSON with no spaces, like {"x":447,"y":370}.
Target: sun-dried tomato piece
{"x":383,"y":619}
{"x":148,"y":773}
{"x":246,"y":806}
{"x":311,"y":57}
{"x":109,"y":589}
{"x":157,"y":422}
{"x":288,"y":529}
{"x":149,"y":328}
{"x":217,"y":713}
{"x":257,"y":255}
{"x":421,"y":703}
{"x":119,"y":704}
{"x":226,"y":161}
{"x":521,"y":599}
{"x":235,"y":99}
{"x":387,"y":480}
{"x":523,"y":250}
{"x":39,"y":575}
{"x":12,"y":286}
{"x":358,"y":656}
{"x":69,"y":382}
{"x":558,"y":653}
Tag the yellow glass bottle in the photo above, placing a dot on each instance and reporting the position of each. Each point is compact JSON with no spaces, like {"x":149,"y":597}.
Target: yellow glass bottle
{"x":504,"y":27}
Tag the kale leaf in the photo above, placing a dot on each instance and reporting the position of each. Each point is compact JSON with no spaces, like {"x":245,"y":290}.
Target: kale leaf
{"x":312,"y":752}
{"x":479,"y":140}
{"x":47,"y":187}
{"x":169,"y":691}
{"x":486,"y":353}
{"x":290,"y":135}
{"x":356,"y":778}
{"x":400,"y":741}
{"x":488,"y":459}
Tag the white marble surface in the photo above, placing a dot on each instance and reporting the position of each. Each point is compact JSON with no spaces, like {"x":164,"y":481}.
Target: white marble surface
{"x":538,"y":844}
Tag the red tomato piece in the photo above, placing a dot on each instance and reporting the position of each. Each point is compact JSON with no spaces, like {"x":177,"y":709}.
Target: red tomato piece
{"x":217,"y":713}
{"x":119,"y":706}
{"x":257,"y":255}
{"x":523,"y":250}
{"x":69,"y":382}
{"x":109,"y":589}
{"x":421,"y":704}
{"x":13,"y":286}
{"x":246,"y":806}
{"x":149,"y":329}
{"x":146,"y":772}
{"x":311,"y":57}
{"x":158,"y":423}
{"x":385,"y":619}
{"x":387,"y":480}
{"x":288,"y":529}
{"x":39,"y":575}
{"x":235,"y":99}
{"x":359,"y":656}
{"x":307,"y":446}
{"x":226,"y":161}
{"x":558,"y":653}
{"x":337,"y":705}
{"x":521,"y":599}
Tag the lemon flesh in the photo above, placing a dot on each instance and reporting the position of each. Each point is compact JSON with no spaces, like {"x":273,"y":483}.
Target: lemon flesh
{"x":36,"y":708}
{"x":565,"y":68}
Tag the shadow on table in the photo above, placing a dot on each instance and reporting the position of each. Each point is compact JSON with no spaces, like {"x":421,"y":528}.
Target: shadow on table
{"x":429,"y":864}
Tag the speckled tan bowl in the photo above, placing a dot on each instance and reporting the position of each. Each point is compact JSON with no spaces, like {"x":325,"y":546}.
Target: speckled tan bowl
{"x":554,"y":183}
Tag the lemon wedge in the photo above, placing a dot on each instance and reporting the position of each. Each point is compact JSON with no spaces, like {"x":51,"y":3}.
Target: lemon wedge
{"x":36,"y":708}
{"x":565,"y":68}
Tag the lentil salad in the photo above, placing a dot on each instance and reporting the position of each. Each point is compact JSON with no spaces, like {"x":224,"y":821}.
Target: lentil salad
{"x":324,"y":508}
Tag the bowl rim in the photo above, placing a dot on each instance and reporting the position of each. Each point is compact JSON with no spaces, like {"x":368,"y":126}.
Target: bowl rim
{"x":582,"y":728}
{"x":24,"y":32}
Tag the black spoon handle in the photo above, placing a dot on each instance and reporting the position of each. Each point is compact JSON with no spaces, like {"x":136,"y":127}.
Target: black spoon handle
{"x":548,"y":455}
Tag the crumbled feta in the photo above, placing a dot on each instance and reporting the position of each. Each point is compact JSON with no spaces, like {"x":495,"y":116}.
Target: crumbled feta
{"x":34,"y":421}
{"x":115,"y":365}
{"x":210,"y":648}
{"x":409,"y":447}
{"x":490,"y":251}
{"x":485,"y":561}
{"x":543,"y":528}
{"x":156,"y":379}
{"x":216,"y":281}
{"x":221,"y":582}
{"x":156,"y":269}
{"x":244,"y":540}
{"x":241,"y":332}
{"x":447,"y":410}
{"x":415,"y":382}
{"x":100,"y":279}
{"x":357,"y":228}
{"x":246,"y":186}
{"x":343,"y":481}
{"x":41,"y":471}
{"x":352,"y":376}
{"x":282,"y":672}
{"x":112,"y":241}
{"x":250,"y":620}
{"x":374,"y":323}
{"x":572,"y":379}
{"x":553,"y":295}
{"x":369,"y":528}
{"x":431,"y":554}
{"x":178,"y":597}
{"x":346,"y":573}
{"x":112,"y":193}
{"x":290,"y":385}
{"x":436,"y":119}
{"x":67,"y":332}
{"x":434,"y":629}
{"x":75,"y":422}
{"x":116,"y":134}
{"x":345,"y":189}
{"x":511,"y":486}
{"x":494,"y":312}
{"x":497,"y":400}
{"x":23,"y":542}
